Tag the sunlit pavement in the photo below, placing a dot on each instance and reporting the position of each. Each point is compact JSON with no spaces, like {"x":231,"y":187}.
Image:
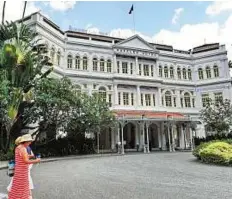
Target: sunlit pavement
{"x":142,"y":176}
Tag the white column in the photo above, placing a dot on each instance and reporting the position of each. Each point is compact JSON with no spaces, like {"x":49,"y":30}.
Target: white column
{"x":142,"y":70}
{"x":137,"y":132}
{"x":120,"y":66}
{"x":136,"y":66}
{"x":112,"y":139}
{"x":182,"y":137}
{"x":115,"y":67}
{"x":118,"y":138}
{"x":144,"y":101}
{"x":138,"y":97}
{"x":115,"y":94}
{"x":173,"y":140}
{"x":140,"y":136}
{"x":163,"y":137}
{"x":122,"y":127}
{"x":159,"y":137}
{"x":152,"y":101}
{"x":191,"y":138}
{"x":144,"y":148}
{"x":178,"y":105}
{"x":90,"y":64}
{"x":169,"y":139}
{"x":147,"y":130}
{"x":159,"y":97}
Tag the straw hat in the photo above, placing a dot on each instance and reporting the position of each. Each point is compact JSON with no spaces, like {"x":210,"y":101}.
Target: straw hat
{"x":26,"y":138}
{"x":18,"y":140}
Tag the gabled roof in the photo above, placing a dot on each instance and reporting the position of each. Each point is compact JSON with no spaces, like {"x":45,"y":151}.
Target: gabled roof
{"x":135,"y":42}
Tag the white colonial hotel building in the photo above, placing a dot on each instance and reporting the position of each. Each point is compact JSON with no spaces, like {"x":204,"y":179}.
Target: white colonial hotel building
{"x":155,"y":91}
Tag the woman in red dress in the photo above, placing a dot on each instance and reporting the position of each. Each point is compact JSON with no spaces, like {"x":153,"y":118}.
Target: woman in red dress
{"x":20,"y":185}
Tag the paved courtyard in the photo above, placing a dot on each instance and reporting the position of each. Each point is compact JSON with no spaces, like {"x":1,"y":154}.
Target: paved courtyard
{"x":140,"y":176}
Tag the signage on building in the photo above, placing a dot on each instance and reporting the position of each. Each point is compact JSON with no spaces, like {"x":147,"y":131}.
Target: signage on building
{"x":88,"y":31}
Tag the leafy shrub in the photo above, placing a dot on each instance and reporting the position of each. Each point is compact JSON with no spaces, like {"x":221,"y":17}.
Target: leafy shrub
{"x":65,"y":146}
{"x":199,"y":140}
{"x":216,"y":152}
{"x":6,"y":156}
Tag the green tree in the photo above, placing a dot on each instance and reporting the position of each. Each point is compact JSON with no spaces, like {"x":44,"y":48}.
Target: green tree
{"x":53,"y":102}
{"x":217,"y":115}
{"x":21,"y":61}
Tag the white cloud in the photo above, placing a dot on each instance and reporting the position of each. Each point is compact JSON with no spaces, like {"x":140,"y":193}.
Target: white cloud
{"x":14,"y":9}
{"x":176,"y":16}
{"x":218,"y":6}
{"x":189,"y":35}
{"x":197,"y":32}
{"x":125,"y":33}
{"x":62,"y":5}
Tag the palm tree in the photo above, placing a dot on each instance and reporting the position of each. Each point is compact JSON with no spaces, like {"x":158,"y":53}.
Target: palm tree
{"x":3,"y":12}
{"x":21,"y":63}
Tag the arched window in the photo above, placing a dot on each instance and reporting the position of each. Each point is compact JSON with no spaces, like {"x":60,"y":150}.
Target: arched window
{"x":52,"y":54}
{"x":160,"y":71}
{"x":102,"y":65}
{"x":184,"y":73}
{"x":85,"y":63}
{"x":216,"y":71}
{"x":208,"y":72}
{"x":77,"y":62}
{"x":102,"y":93}
{"x":189,"y":74}
{"x":187,"y":100}
{"x":69,"y":61}
{"x":94,"y":64}
{"x":109,"y":67}
{"x":171,"y":72}
{"x":168,"y":98}
{"x":58,"y":56}
{"x":200,"y":73}
{"x":166,"y":72}
{"x":178,"y":73}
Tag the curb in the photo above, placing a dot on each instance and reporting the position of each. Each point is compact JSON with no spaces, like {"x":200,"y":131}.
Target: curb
{"x":69,"y":158}
{"x":91,"y":156}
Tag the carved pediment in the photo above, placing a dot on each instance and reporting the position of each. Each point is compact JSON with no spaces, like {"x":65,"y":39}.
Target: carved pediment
{"x":135,"y":42}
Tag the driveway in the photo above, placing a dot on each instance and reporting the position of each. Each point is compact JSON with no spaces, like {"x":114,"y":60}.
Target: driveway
{"x":158,"y":175}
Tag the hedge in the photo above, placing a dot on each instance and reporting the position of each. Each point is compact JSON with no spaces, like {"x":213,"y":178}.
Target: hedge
{"x":215,"y":152}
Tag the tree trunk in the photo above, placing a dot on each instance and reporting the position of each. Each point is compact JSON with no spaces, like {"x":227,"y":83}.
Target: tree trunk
{"x":3,"y":12}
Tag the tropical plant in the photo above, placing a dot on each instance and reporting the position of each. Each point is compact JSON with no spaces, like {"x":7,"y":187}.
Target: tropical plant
{"x":22,"y":59}
{"x":53,"y":102}
{"x":217,"y":115}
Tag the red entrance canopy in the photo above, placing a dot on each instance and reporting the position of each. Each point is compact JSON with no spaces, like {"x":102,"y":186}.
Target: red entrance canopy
{"x":147,"y":114}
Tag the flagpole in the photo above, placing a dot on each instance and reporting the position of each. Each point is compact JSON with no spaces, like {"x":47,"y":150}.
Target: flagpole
{"x":134,"y":16}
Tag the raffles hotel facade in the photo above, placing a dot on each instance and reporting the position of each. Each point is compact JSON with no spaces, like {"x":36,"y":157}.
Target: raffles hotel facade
{"x":156,"y":91}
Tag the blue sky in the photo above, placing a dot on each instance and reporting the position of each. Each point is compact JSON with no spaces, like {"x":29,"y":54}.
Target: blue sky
{"x":150,"y":17}
{"x":181,"y":24}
